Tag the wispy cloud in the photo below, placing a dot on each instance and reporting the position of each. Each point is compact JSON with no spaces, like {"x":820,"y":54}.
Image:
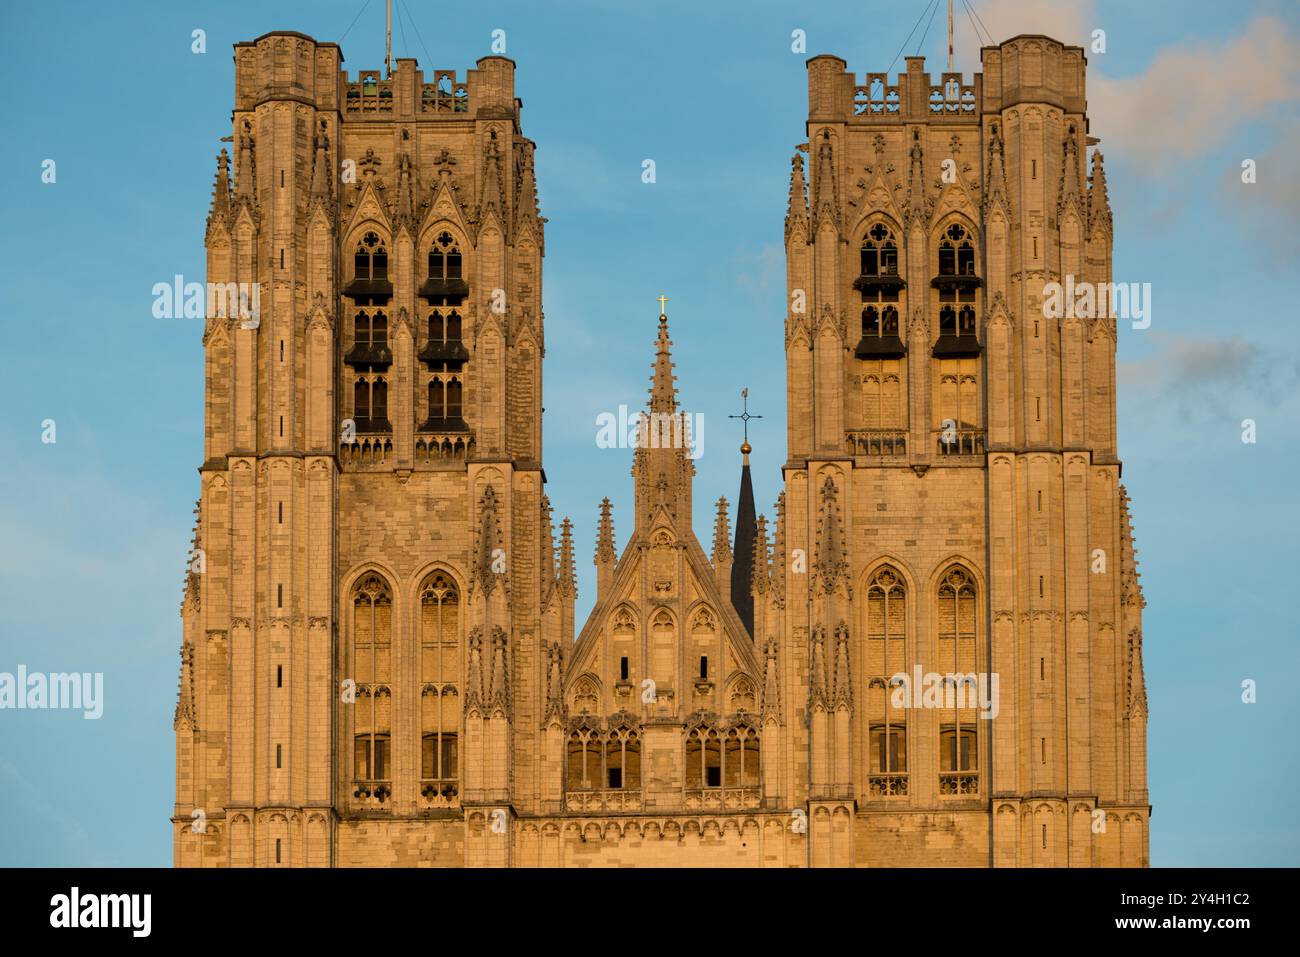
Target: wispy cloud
{"x":1195,"y":96}
{"x":1267,"y":209}
{"x":761,"y":269}
{"x":1198,"y":376}
{"x":1070,"y":21}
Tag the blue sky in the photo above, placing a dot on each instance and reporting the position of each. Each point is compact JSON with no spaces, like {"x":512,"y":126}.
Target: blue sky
{"x":94,"y":528}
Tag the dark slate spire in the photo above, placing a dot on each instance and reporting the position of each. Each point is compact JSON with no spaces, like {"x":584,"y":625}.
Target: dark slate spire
{"x":742,"y":571}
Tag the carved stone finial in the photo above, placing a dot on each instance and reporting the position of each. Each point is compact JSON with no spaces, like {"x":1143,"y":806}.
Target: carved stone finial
{"x":721,"y":534}
{"x":244,"y":171}
{"x":566,"y":579}
{"x":605,"y":553}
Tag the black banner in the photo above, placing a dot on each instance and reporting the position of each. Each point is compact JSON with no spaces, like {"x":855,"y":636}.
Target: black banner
{"x":211,"y":907}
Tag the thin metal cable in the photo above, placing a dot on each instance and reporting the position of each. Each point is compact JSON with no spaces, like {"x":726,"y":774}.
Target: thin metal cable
{"x":921,"y":43}
{"x":909,"y":37}
{"x":416,"y":28}
{"x":974,"y":29}
{"x":980,"y":20}
{"x":402,"y":28}
{"x":354,"y":21}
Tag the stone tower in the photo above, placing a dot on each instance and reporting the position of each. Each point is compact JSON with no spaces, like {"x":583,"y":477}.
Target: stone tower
{"x":378,"y":569}
{"x":952,"y":475}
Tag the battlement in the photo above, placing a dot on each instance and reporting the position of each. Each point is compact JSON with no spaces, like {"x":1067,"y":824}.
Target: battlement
{"x":835,"y":94}
{"x":1025,"y":68}
{"x":411,"y":93}
{"x":371,"y":94}
{"x":951,"y":96}
{"x":284,"y":65}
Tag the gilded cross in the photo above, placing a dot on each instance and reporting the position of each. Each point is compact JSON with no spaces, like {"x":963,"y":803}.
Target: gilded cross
{"x":663,"y":299}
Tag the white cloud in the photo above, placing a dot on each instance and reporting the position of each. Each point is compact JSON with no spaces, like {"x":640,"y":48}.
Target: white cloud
{"x":1067,"y":21}
{"x":1267,"y":209}
{"x":1200,"y":376}
{"x":1193,"y":97}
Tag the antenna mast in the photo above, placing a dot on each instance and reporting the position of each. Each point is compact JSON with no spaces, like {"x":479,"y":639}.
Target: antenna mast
{"x":388,"y":39}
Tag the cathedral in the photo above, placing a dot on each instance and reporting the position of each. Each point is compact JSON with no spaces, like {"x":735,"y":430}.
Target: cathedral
{"x":929,"y":655}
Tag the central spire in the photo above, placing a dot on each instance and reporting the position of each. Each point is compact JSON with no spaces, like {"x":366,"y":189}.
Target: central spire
{"x":663,"y":388}
{"x":662,"y":463}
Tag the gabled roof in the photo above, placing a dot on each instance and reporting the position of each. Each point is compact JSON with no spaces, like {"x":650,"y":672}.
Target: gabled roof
{"x":698,"y":567}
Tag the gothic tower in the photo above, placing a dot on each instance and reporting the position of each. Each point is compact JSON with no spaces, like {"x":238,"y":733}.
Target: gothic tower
{"x":363,"y":634}
{"x":952,"y":477}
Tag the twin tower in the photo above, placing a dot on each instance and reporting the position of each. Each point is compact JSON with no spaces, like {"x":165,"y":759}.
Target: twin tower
{"x":930,"y":655}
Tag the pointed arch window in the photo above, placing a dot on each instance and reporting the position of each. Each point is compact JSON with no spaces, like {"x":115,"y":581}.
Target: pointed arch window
{"x":440,"y":651}
{"x":740,"y":757}
{"x":585,"y":760}
{"x":878,"y":258}
{"x":597,"y":759}
{"x":883,"y":322}
{"x":369,"y":340}
{"x":718,"y":758}
{"x":445,"y":326}
{"x":956,"y":252}
{"x":372,"y":623}
{"x":370,"y":284}
{"x":444,"y":258}
{"x":955,"y":398}
{"x":379,"y":331}
{"x":957,"y":285}
{"x":444,"y":347}
{"x":878,"y":278}
{"x":703,"y":758}
{"x":445,"y":284}
{"x":958,"y":654}
{"x":957,"y":321}
{"x":623,"y":758}
{"x":370,"y":402}
{"x":879,"y":284}
{"x":446,"y":404}
{"x":886,"y":656}
{"x":445,"y":397}
{"x":371,"y":258}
